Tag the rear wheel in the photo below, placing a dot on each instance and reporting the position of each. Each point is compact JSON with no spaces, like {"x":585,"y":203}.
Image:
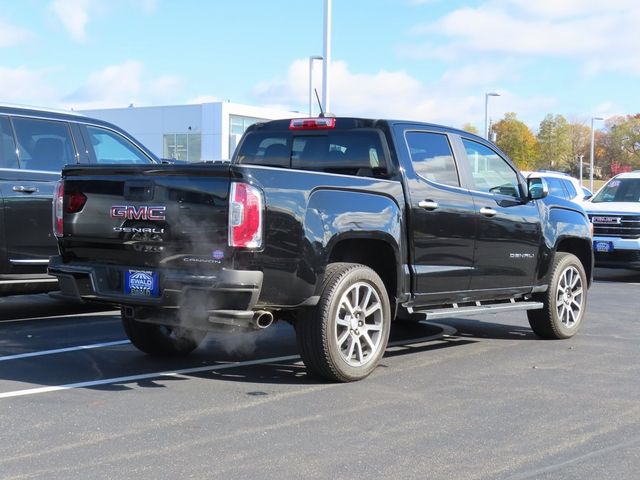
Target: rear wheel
{"x":162,"y":340}
{"x":344,"y":337}
{"x":564,"y":301}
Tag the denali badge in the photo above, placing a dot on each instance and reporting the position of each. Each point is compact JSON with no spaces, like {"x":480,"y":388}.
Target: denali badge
{"x":607,"y":220}
{"x":143,"y":212}
{"x":156,"y":231}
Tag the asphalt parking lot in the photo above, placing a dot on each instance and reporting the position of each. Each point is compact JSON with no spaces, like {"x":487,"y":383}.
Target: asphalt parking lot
{"x":479,"y":398}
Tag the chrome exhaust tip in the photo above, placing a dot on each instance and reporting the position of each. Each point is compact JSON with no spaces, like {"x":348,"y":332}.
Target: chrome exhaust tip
{"x":262,"y":319}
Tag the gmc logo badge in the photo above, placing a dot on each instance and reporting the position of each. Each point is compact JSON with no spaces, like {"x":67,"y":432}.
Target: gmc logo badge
{"x":144,"y":212}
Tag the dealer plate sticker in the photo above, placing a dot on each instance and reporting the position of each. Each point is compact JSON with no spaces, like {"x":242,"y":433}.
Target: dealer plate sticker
{"x":143,"y":283}
{"x":603,"y":246}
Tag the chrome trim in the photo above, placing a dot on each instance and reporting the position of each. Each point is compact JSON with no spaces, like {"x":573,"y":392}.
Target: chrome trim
{"x":29,"y":262}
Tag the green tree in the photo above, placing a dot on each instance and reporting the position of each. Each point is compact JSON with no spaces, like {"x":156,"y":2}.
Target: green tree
{"x":625,"y":136}
{"x":554,"y":139}
{"x":517,"y":141}
{"x":468,"y":127}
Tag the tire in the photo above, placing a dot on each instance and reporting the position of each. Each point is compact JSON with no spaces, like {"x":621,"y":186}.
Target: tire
{"x":564,"y":301}
{"x":162,"y":340}
{"x":335,"y":344}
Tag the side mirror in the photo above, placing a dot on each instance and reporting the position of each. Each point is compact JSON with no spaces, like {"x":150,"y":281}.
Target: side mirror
{"x":537,"y":188}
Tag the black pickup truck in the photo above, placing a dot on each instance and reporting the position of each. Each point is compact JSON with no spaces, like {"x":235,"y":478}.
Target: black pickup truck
{"x":337,"y":225}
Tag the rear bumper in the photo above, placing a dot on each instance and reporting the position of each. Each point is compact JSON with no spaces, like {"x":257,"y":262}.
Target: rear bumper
{"x":226,"y":296}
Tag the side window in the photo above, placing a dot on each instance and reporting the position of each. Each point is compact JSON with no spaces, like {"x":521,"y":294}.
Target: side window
{"x":109,"y":147}
{"x":571,"y":190}
{"x":8,"y":156}
{"x":556,"y":187}
{"x":432,"y":157}
{"x":491,"y":173}
{"x":43,"y":144}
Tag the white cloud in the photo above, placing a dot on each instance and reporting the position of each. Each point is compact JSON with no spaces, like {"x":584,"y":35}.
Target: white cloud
{"x":203,"y":99}
{"x":74,"y":15}
{"x":397,"y":94}
{"x":11,"y":35}
{"x":122,"y":84}
{"x":580,"y":30}
{"x":23,"y":85}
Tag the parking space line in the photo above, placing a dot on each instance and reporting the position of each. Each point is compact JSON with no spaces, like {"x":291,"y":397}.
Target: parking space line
{"x":63,"y":350}
{"x":133,"y":378}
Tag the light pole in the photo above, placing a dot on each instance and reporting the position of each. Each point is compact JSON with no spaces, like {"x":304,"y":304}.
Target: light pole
{"x":311,"y":60}
{"x":326,"y":62}
{"x":486,"y":112}
{"x":592,"y":152}
{"x":580,"y":157}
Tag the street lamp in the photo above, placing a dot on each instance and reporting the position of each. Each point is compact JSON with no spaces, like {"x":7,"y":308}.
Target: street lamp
{"x":486,"y":112}
{"x":592,"y":152}
{"x":311,"y":60}
{"x":326,"y":61}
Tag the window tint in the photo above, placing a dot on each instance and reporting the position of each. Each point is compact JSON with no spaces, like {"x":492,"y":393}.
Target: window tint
{"x":43,"y":144}
{"x":619,"y":190}
{"x":432,"y":157}
{"x":491,"y":173}
{"x":571,"y":190}
{"x":556,"y":187}
{"x":356,"y":152}
{"x":109,"y":147}
{"x":8,"y":156}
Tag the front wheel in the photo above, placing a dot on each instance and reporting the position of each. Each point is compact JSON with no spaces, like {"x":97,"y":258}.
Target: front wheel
{"x":161,"y":340}
{"x":344,"y":337}
{"x":564,"y":301}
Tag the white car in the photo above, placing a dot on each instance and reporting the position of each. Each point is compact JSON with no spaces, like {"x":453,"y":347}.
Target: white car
{"x":615,"y":214}
{"x":562,"y":185}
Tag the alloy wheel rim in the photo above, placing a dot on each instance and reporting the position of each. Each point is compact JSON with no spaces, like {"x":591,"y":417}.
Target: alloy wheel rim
{"x":569,"y":297}
{"x":359,"y":323}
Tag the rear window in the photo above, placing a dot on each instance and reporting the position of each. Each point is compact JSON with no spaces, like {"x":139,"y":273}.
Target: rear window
{"x":354,"y":152}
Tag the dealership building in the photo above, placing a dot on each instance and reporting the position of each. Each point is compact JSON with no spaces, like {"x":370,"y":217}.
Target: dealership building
{"x":207,"y":131}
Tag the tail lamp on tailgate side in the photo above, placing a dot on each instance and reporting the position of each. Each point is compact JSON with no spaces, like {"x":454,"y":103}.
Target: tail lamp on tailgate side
{"x":246,"y":214}
{"x":75,"y":203}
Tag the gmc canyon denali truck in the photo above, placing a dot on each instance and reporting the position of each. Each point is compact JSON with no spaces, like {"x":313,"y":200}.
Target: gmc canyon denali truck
{"x":337,"y":225}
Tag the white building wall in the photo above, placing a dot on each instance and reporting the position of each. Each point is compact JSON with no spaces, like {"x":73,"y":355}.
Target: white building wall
{"x":211,"y":120}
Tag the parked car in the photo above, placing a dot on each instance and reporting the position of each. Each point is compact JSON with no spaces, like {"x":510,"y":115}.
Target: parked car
{"x":337,"y":225}
{"x":34,"y":146}
{"x":615,"y":214}
{"x":562,"y":185}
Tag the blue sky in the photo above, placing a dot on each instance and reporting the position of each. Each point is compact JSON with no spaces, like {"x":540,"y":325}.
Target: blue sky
{"x":429,"y":60}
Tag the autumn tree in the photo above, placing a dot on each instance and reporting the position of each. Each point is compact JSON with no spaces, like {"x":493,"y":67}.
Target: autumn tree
{"x":517,"y":141}
{"x":468,"y":127}
{"x":580,"y":135}
{"x":554,"y":139}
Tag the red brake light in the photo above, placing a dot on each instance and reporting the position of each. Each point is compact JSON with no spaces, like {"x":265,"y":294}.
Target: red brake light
{"x":245,"y":216}
{"x":58,"y":200}
{"x":323,"y":123}
{"x":75,"y":202}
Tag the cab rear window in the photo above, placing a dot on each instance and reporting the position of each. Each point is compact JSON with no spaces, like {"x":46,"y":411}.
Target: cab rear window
{"x":355,"y":152}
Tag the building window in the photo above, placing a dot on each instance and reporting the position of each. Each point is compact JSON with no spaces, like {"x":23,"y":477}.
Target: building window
{"x":238,"y":124}
{"x":183,"y":146}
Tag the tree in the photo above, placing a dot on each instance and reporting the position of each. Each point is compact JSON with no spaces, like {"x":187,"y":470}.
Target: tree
{"x":625,"y":135}
{"x":468,"y":127}
{"x":517,"y":141}
{"x":554,"y":138}
{"x":580,"y":135}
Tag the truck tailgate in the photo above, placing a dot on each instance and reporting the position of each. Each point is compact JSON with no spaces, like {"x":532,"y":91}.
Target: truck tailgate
{"x":147,"y":215}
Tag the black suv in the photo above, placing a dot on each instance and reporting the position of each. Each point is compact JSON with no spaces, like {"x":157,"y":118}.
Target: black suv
{"x":34,"y":146}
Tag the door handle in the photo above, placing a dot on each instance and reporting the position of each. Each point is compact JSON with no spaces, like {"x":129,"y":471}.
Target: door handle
{"x":428,"y":204}
{"x":24,"y":189}
{"x":488,"y":212}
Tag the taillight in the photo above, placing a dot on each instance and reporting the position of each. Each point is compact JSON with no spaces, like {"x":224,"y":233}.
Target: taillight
{"x":75,"y":203}
{"x":321,"y":123}
{"x":245,"y":216}
{"x":58,"y":203}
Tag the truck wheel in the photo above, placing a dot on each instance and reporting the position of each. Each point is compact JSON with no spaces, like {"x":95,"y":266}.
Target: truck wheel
{"x":345,"y":335}
{"x":564,"y":301}
{"x":162,"y":340}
